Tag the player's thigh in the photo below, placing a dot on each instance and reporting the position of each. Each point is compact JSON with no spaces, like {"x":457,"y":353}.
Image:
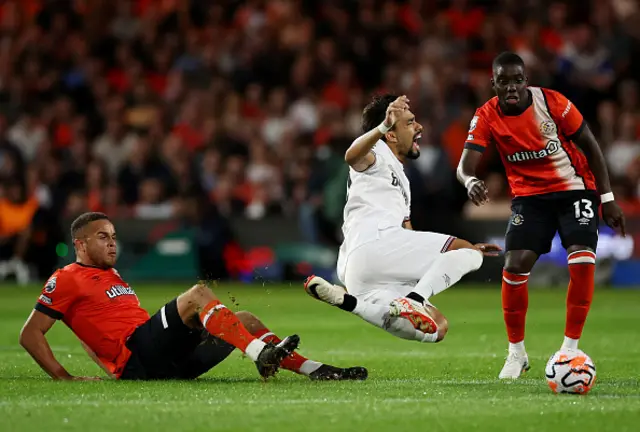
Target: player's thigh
{"x":578,"y":219}
{"x":160,"y":343}
{"x":532,"y":225}
{"x":208,"y":354}
{"x":398,"y":256}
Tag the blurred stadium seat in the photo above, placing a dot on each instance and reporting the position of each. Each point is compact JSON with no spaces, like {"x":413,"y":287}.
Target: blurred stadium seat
{"x":209,"y":115}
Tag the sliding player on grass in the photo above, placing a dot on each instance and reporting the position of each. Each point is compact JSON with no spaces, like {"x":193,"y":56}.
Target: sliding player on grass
{"x":389,"y":270}
{"x":558,"y":178}
{"x":184,"y":339}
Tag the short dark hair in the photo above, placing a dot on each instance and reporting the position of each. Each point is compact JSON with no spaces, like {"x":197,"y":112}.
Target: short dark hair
{"x":85,"y":219}
{"x":375,"y":112}
{"x":507,"y":58}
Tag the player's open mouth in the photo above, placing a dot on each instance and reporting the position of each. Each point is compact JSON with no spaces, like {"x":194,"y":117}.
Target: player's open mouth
{"x":415,"y":141}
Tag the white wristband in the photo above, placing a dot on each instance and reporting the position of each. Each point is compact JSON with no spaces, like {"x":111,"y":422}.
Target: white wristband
{"x":606,"y":197}
{"x":383,"y":129}
{"x":469,"y":181}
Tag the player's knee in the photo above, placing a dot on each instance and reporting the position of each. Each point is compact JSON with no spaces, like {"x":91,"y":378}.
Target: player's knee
{"x":250,"y":321}
{"x":473,"y":255}
{"x":443,"y":328}
{"x":441,"y":322}
{"x":519,"y":263}
{"x":200,"y":294}
{"x":516,"y":267}
{"x":475,"y":258}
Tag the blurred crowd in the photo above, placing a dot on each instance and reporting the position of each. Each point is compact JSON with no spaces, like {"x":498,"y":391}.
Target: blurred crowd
{"x":135,"y":107}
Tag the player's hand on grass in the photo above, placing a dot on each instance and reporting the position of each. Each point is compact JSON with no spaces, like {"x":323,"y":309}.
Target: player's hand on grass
{"x":478,"y":192}
{"x":395,"y":109}
{"x":613,"y":216}
{"x":489,"y":249}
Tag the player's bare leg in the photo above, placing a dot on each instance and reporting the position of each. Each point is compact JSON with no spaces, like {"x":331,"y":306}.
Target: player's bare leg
{"x":515,"y":301}
{"x":296,"y":362}
{"x":403,"y":319}
{"x":582,"y":268}
{"x":200,"y":304}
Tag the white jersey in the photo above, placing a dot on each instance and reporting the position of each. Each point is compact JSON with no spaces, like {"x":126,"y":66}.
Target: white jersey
{"x":377,"y":198}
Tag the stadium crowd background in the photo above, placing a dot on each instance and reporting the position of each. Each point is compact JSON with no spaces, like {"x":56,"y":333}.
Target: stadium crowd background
{"x":243,"y":109}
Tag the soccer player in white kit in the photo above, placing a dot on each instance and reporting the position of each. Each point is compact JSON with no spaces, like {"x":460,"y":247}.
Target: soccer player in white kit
{"x":389,"y":270}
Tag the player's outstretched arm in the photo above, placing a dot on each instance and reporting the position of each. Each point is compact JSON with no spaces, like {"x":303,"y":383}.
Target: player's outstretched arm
{"x":466,"y":174}
{"x":359,"y":155}
{"x":611,"y":212}
{"x":32,"y":339}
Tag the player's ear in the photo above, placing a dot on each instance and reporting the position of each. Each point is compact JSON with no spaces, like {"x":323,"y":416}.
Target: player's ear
{"x":493,"y":83}
{"x":77,"y":244}
{"x":391,"y":136}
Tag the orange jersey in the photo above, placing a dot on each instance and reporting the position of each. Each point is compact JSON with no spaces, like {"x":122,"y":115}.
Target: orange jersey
{"x":98,"y":306}
{"x":536,"y":146}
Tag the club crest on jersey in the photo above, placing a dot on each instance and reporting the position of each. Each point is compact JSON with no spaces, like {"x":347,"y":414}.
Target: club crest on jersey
{"x":119,"y":290}
{"x":548,"y":129}
{"x":50,"y":286}
{"x":517,"y":219}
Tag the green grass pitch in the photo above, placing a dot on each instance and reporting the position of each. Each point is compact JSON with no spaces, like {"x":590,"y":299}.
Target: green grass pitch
{"x":450,"y":386}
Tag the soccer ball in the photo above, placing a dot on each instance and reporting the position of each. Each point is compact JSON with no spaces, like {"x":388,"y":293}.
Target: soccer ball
{"x":570,"y":371}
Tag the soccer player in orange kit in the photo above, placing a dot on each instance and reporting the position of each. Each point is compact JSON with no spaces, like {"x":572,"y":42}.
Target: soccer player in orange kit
{"x":558,"y":179}
{"x":184,"y":339}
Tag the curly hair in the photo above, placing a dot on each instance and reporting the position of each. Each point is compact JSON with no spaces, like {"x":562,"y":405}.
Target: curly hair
{"x":375,"y":112}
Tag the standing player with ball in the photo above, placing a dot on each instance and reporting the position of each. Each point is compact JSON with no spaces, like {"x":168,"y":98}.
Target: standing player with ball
{"x":391,"y":271}
{"x":558,"y":178}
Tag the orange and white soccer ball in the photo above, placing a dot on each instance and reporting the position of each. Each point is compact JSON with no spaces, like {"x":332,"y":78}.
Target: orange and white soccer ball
{"x":570,"y":371}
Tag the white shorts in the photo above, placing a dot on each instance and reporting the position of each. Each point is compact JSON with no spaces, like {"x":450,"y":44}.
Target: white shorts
{"x":389,"y":267}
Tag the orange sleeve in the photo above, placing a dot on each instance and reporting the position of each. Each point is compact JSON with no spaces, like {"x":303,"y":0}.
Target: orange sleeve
{"x":479,"y":133}
{"x":57,"y":295}
{"x":566,"y":115}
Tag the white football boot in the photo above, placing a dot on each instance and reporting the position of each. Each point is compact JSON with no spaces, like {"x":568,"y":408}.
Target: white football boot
{"x":325,"y":291}
{"x":515,"y":365}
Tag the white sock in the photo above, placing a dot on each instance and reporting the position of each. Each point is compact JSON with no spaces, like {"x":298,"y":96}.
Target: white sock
{"x":309,"y":367}
{"x":378,"y":315}
{"x":254,"y":349}
{"x":447,"y":270}
{"x":570,"y":343}
{"x":517,"y":348}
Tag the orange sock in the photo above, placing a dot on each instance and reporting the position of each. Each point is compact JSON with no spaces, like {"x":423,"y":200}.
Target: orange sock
{"x":582,"y":269}
{"x":224,"y":324}
{"x":295,"y":362}
{"x":515,"y":301}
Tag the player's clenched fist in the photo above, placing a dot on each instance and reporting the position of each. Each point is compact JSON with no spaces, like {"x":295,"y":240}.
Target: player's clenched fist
{"x":477,"y":191}
{"x":394,"y":110}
